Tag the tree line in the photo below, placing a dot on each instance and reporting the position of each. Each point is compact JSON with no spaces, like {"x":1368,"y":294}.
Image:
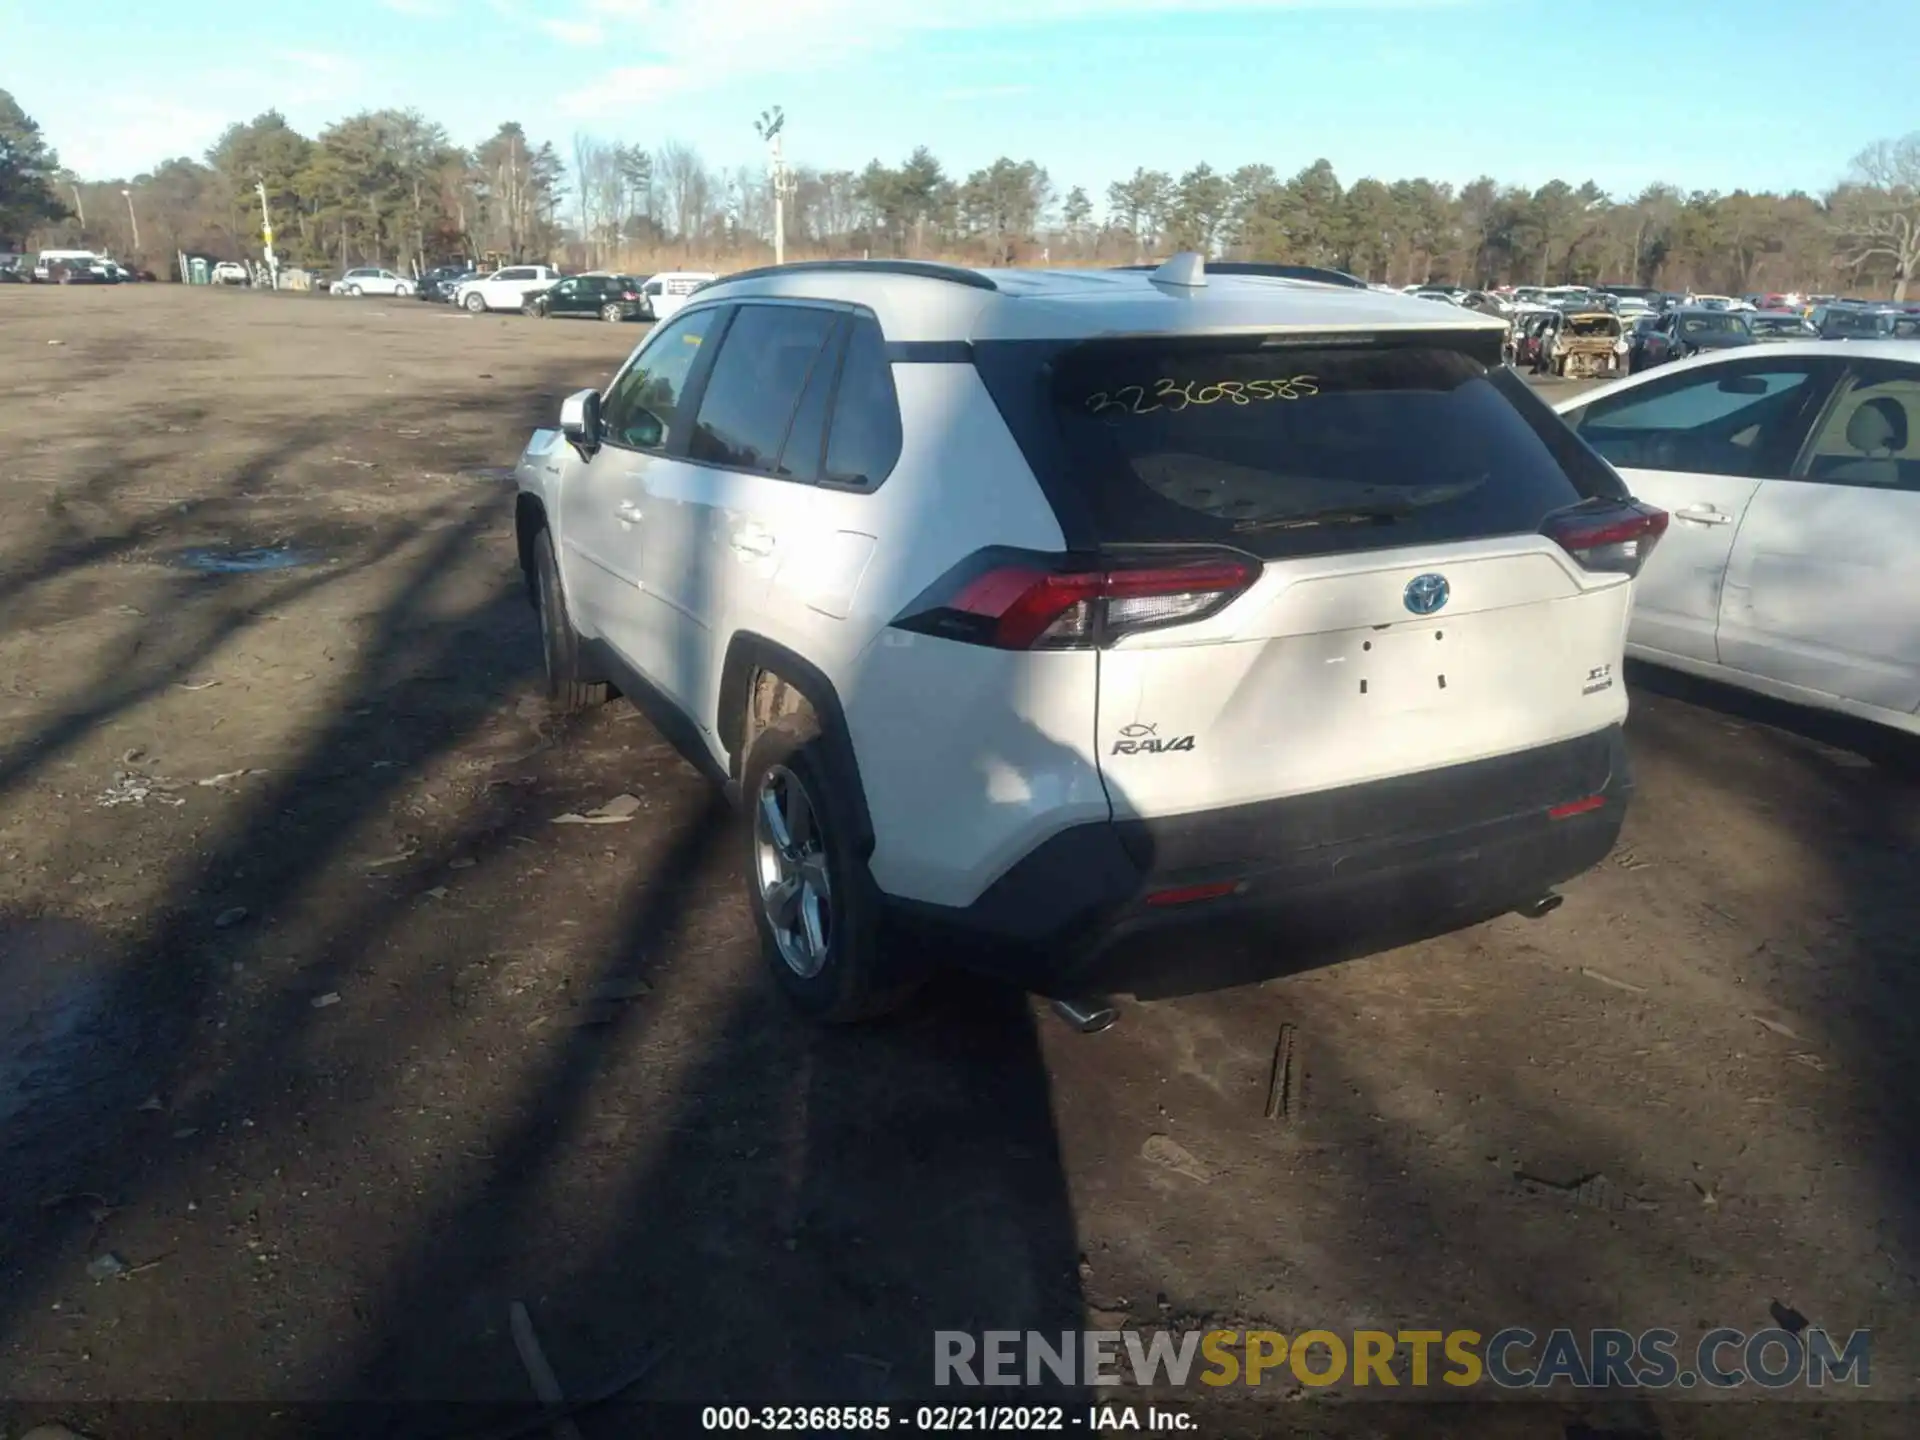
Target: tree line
{"x":391,"y":187}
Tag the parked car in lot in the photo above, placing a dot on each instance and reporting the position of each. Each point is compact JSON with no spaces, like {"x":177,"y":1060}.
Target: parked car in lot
{"x":438,"y":283}
{"x":663,"y":294}
{"x":1792,"y":473}
{"x":231,"y":272}
{"x":1772,"y":326}
{"x":1688,"y":331}
{"x":1586,"y":346}
{"x":76,"y":272}
{"x":1852,"y":322}
{"x":1173,"y":595}
{"x":372,"y":280}
{"x":604,"y":297}
{"x":504,"y":289}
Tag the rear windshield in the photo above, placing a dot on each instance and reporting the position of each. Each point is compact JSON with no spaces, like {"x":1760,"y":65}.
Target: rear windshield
{"x":1286,"y":451}
{"x":1852,"y":322}
{"x":1711,"y":324}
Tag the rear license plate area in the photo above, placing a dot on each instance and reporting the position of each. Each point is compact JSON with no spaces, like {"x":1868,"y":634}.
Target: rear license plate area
{"x":1404,"y":669}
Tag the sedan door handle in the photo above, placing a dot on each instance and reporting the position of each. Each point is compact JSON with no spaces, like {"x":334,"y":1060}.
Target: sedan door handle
{"x":627,"y":512}
{"x":753,"y":542}
{"x":1704,"y":515}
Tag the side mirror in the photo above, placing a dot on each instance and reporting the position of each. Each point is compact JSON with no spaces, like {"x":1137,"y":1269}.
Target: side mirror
{"x":580,"y":421}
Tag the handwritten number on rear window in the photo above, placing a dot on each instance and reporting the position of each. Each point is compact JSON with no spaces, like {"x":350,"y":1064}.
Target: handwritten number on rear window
{"x":1174,"y":396}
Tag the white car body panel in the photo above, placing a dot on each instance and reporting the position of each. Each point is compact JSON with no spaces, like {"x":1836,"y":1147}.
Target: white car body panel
{"x":500,"y":293}
{"x":1525,"y":653}
{"x":1802,"y":590}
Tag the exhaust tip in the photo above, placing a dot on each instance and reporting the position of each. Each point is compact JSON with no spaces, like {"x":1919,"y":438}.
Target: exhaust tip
{"x":1543,"y":906}
{"x":1088,"y":1017}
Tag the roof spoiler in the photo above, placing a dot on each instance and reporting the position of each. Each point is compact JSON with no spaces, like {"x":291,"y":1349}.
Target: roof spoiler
{"x":1191,"y":263}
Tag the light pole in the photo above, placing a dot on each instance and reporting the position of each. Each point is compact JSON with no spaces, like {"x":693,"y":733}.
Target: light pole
{"x":768,"y":127}
{"x":136,"y":222}
{"x":266,"y":233}
{"x":79,"y":209}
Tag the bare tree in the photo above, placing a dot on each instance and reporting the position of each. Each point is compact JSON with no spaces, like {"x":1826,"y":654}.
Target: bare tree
{"x":689,"y":191}
{"x":1881,"y":213}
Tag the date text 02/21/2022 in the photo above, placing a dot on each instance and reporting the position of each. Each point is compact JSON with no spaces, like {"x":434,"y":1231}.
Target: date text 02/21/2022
{"x":945,"y":1419}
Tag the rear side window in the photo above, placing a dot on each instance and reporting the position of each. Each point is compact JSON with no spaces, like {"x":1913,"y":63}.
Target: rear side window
{"x":769,"y":354}
{"x":864,"y":443}
{"x":1283,"y":450}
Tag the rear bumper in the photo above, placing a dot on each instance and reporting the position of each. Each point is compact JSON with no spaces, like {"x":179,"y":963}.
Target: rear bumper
{"x":1416,"y":854}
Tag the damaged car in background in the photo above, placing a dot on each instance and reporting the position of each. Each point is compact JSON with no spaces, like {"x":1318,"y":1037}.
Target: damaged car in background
{"x":1587,"y":345}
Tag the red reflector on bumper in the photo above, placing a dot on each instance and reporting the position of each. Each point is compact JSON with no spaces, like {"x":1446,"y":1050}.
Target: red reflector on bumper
{"x":1190,"y":894}
{"x":1576,"y":807}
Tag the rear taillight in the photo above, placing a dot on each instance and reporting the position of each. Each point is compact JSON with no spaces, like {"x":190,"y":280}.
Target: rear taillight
{"x":1611,"y":536}
{"x":628,"y":295}
{"x":1016,"y":600}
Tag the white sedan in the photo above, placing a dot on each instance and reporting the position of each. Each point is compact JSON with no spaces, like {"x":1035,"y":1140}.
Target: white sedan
{"x":1791,"y":566}
{"x":370,"y":280}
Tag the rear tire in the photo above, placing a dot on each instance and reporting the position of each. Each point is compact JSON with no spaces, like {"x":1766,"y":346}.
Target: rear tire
{"x":354,"y":291}
{"x":612,"y":314}
{"x":567,"y":689}
{"x":814,"y":902}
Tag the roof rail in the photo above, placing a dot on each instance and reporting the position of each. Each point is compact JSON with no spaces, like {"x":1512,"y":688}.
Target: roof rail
{"x":924,"y":269}
{"x":1312,"y":273}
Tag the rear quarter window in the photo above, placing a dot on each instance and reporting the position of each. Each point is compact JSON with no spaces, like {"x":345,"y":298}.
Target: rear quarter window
{"x":1285,"y":450}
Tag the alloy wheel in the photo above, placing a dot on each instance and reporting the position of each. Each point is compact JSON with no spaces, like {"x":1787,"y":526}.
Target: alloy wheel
{"x":790,"y":868}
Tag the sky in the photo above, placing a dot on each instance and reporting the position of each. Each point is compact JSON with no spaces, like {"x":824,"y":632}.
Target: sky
{"x":1707,"y":94}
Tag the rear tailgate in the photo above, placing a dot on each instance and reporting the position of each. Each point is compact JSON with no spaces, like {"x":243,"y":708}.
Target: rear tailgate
{"x":1402,"y":609}
{"x":1320,"y":676}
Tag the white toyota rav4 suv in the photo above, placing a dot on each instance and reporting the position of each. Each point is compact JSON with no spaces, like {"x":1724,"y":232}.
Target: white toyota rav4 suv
{"x":1038,"y":608}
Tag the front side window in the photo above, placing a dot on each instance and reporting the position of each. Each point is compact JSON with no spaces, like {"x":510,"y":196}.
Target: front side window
{"x":769,"y":354}
{"x":641,"y":410}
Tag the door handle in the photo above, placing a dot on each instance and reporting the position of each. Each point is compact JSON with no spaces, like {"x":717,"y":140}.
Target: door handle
{"x":753,"y":542}
{"x":1704,"y":515}
{"x":627,"y":513}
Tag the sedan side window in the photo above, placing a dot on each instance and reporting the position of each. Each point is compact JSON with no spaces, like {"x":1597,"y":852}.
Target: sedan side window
{"x":1743,"y":420}
{"x":1871,"y":434}
{"x":641,"y":410}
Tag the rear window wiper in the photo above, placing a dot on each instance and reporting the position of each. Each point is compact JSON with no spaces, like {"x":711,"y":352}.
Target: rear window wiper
{"x":1354,"y":515}
{"x":1379,"y":512}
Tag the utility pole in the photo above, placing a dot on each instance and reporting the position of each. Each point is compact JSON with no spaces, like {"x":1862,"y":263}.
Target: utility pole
{"x":79,"y":210}
{"x":768,"y":127}
{"x":135,"y":219}
{"x":266,"y":232}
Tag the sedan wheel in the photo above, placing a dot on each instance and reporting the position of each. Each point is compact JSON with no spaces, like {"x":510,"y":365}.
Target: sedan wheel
{"x":354,"y":291}
{"x":790,"y":862}
{"x":612,"y":314}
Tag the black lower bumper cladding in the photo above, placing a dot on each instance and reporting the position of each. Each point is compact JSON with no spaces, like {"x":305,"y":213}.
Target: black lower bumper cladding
{"x":1412,"y":853}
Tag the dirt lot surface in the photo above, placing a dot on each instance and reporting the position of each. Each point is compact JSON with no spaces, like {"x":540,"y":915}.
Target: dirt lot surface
{"x":313,"y":1020}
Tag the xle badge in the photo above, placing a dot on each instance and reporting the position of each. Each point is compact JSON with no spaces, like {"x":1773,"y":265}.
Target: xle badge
{"x":1599,"y":678}
{"x":1139,"y":739}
